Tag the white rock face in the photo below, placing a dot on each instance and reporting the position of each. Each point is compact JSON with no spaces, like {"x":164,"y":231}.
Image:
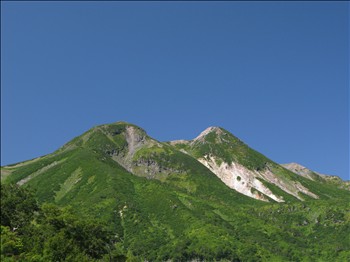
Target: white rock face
{"x":240,"y":178}
{"x":246,"y":181}
{"x":290,"y":187}
{"x":134,"y":138}
{"x":300,"y":170}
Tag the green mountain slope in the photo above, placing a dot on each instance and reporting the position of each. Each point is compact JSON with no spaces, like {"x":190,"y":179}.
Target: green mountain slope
{"x":251,"y":173}
{"x":162,"y":203}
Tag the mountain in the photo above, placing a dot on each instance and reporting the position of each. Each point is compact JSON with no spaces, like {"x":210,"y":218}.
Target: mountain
{"x":246,"y":170}
{"x":210,"y":198}
{"x":315,"y":176}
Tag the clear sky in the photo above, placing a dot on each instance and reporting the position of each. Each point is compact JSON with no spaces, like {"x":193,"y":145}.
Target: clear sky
{"x":275,"y":74}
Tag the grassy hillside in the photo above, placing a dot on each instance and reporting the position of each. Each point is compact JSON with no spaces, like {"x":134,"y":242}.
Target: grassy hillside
{"x":226,"y":148}
{"x":161,"y":203}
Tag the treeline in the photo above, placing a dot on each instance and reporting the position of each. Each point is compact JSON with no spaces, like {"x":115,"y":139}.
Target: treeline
{"x":30,"y":232}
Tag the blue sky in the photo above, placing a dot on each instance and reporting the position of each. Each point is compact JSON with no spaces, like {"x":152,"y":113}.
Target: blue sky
{"x":275,"y":74}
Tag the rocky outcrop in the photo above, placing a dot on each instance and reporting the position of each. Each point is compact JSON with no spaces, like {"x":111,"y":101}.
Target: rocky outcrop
{"x":313,"y":175}
{"x":240,"y":179}
{"x":248,"y":182}
{"x":134,"y":138}
{"x":207,"y":131}
{"x":300,"y":170}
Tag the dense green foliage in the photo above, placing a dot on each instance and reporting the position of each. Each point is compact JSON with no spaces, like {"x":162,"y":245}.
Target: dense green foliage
{"x":158,"y":228}
{"x":88,"y":207}
{"x":49,"y":233}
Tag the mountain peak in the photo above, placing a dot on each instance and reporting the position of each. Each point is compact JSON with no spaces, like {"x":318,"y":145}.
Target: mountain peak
{"x":217,"y":130}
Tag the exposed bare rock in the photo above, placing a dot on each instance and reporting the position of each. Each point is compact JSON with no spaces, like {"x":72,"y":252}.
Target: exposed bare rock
{"x":313,"y":175}
{"x":240,"y":178}
{"x":290,"y":187}
{"x":181,"y":141}
{"x":202,"y":135}
{"x":300,"y":170}
{"x":247,"y":181}
{"x":135,"y":139}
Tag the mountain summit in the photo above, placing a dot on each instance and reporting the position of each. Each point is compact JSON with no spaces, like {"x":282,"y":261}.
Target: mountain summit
{"x":207,"y":131}
{"x":244,"y":169}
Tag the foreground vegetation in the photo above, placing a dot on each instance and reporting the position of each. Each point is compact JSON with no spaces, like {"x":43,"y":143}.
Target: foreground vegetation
{"x":316,"y":231}
{"x":30,"y":232}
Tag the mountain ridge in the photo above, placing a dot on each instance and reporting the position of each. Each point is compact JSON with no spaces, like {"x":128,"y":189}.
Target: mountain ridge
{"x":313,"y":175}
{"x":167,"y":201}
{"x":230,"y":159}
